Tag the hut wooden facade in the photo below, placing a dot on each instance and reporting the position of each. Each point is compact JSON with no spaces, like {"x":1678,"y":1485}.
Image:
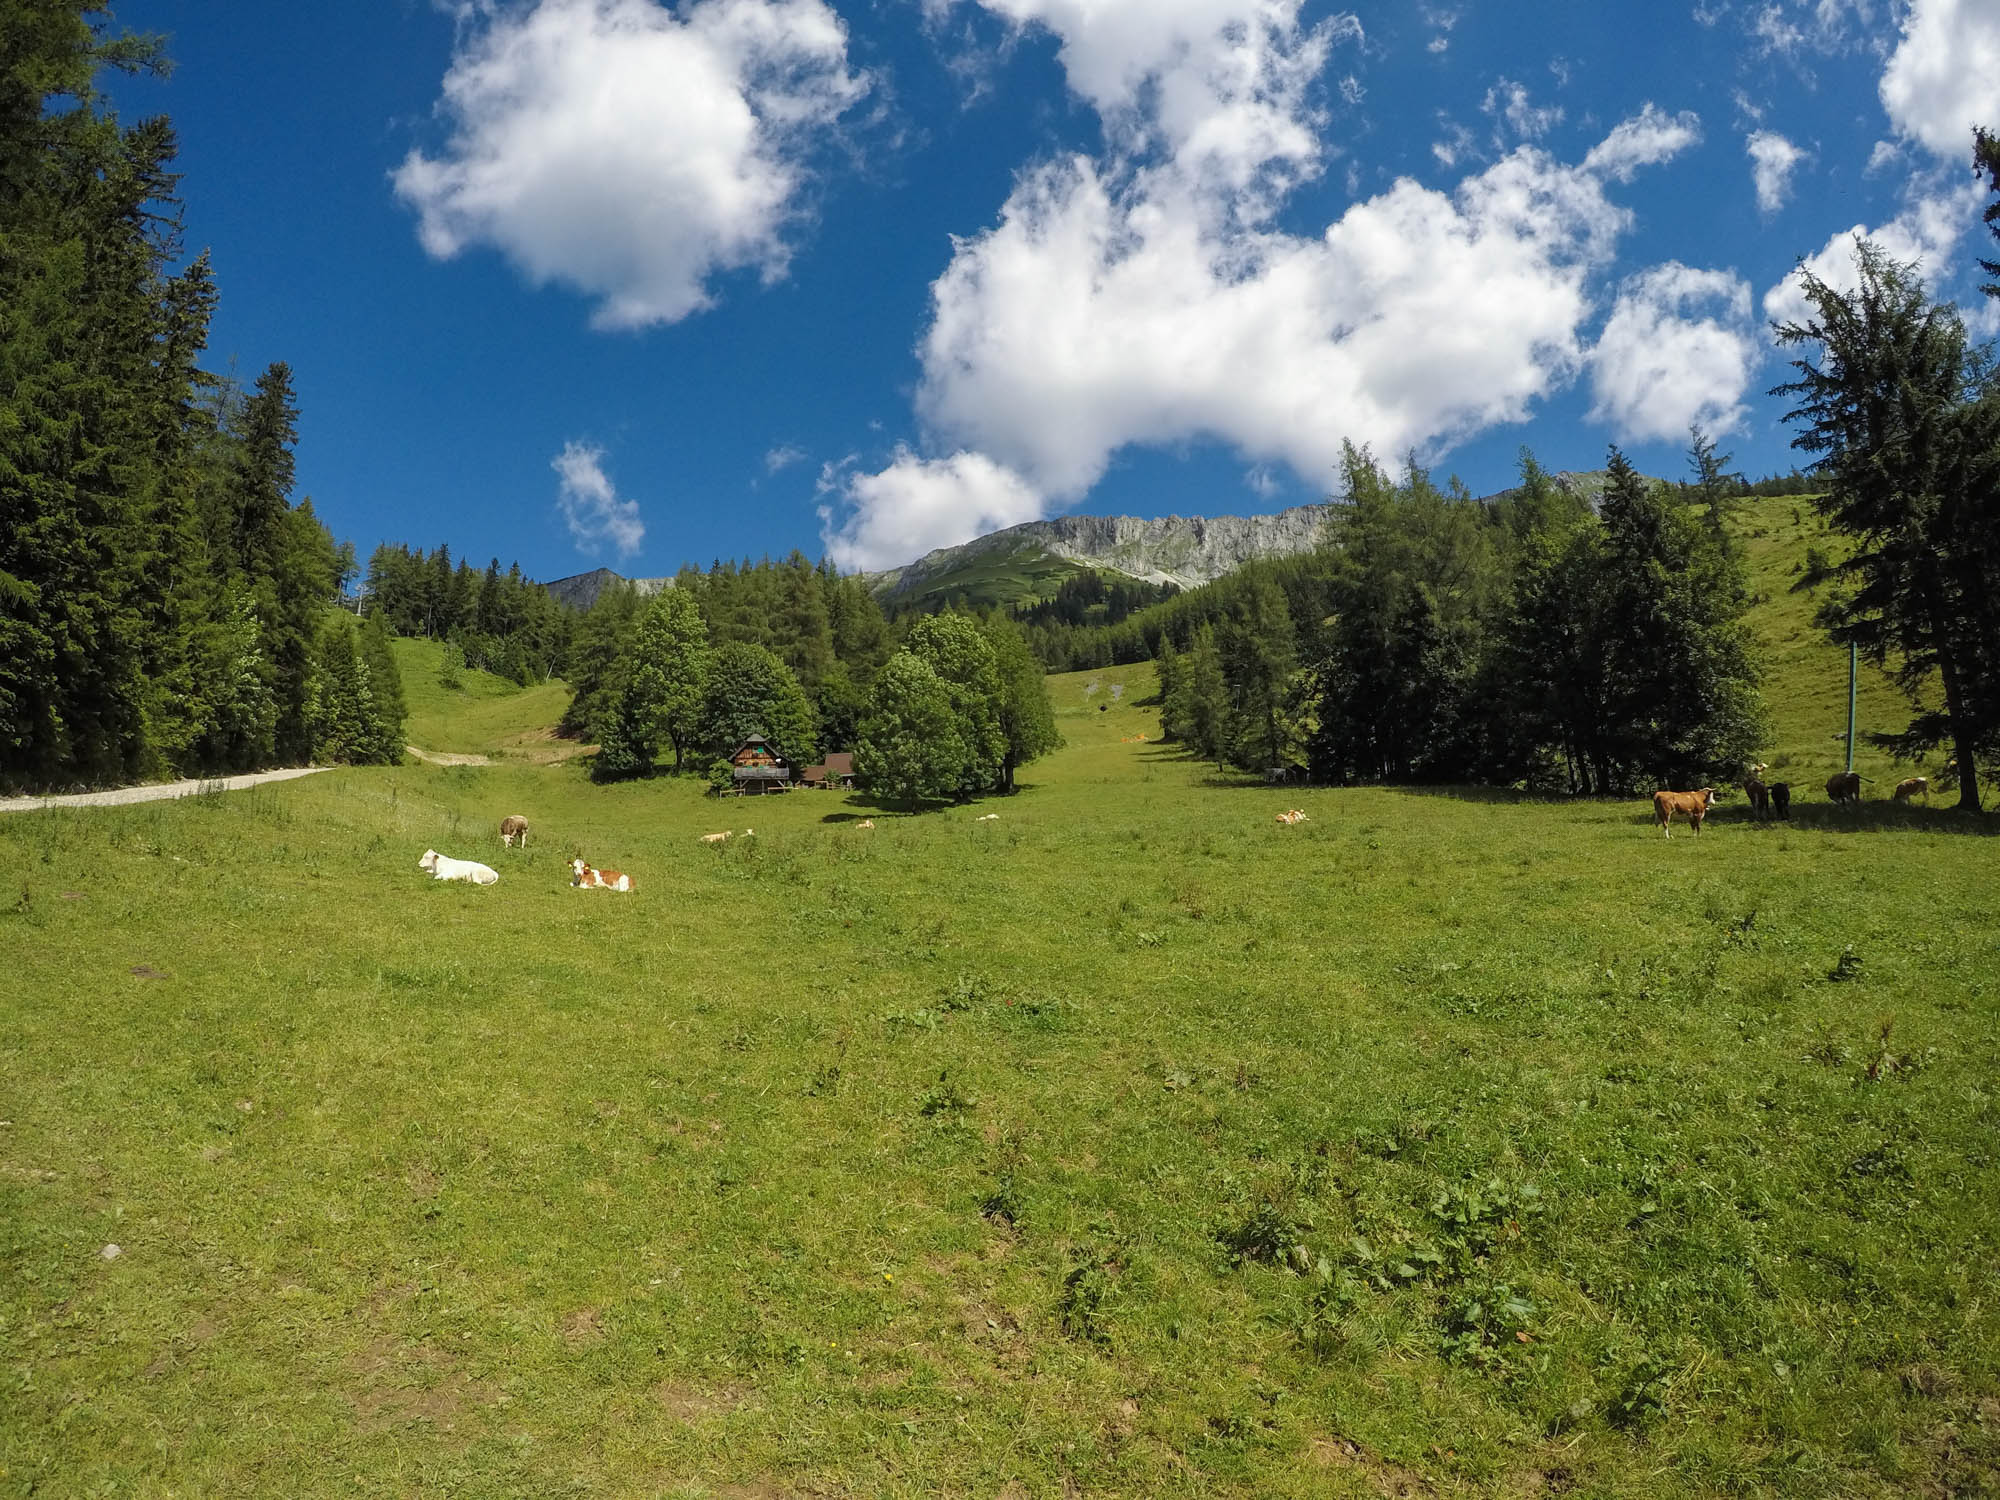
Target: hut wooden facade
{"x":758,"y":767}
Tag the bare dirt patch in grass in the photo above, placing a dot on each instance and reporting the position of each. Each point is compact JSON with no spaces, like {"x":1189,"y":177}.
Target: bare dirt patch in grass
{"x":1389,"y":1479}
{"x":687,"y":1402}
{"x":402,"y":1384}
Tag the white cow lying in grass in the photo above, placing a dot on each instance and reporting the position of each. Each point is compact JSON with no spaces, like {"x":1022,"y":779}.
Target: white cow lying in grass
{"x":443,"y":867}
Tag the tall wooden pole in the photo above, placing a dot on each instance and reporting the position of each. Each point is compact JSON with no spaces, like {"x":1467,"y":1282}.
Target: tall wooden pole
{"x":1853,"y":666}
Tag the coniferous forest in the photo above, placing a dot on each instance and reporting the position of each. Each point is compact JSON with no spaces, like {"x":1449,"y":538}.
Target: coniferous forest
{"x":165,"y":601}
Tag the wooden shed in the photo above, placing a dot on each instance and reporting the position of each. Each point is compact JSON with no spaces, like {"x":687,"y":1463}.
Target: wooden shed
{"x":837,"y":772}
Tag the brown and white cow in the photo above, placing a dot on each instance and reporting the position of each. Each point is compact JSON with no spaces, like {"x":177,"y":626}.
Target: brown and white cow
{"x":585,"y":878}
{"x":1912,"y":786}
{"x":513,"y":827}
{"x":1691,"y":805}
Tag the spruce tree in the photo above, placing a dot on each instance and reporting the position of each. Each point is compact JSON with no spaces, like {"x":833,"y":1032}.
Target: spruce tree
{"x":1904,"y":420}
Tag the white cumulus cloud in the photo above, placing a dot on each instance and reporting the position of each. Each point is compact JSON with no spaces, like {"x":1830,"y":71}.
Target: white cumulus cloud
{"x":589,"y":502}
{"x":1944,"y":76}
{"x":1646,"y":139}
{"x":916,"y":505}
{"x":1926,"y":232}
{"x":1508,"y":101}
{"x":1772,"y":159}
{"x":1145,"y":296}
{"x":1678,"y":349}
{"x":630,"y":150}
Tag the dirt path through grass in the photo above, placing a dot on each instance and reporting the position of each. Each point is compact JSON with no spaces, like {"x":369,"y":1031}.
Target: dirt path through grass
{"x":440,"y":758}
{"x":158,"y":792}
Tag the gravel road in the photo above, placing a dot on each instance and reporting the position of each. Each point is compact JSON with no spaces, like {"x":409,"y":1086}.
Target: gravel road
{"x":155,"y":793}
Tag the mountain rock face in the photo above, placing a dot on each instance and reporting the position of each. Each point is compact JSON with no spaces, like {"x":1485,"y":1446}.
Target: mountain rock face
{"x":580,"y":590}
{"x":1183,"y":550}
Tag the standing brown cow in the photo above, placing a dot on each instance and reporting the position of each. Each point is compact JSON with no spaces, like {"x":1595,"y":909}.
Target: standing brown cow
{"x":1760,"y":797}
{"x":1781,"y":799}
{"x":1844,"y":786}
{"x":1691,"y":805}
{"x":512,"y":827}
{"x":1913,"y":786}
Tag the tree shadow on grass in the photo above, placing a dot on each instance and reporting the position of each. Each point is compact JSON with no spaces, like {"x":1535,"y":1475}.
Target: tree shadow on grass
{"x":1870,"y":817}
{"x":859,"y":804}
{"x":1503,"y":796}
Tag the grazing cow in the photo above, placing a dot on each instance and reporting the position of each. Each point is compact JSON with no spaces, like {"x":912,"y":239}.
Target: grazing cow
{"x":865,"y":823}
{"x":443,"y":867}
{"x":714,"y":838}
{"x":1691,"y":805}
{"x":582,"y":876}
{"x":1913,"y":786}
{"x":1760,"y":797}
{"x":1781,"y":799}
{"x":1294,"y":815}
{"x":511,"y":828}
{"x":1844,"y":786}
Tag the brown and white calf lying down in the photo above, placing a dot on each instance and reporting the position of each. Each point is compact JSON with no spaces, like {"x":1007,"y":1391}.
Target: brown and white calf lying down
{"x":585,"y":878}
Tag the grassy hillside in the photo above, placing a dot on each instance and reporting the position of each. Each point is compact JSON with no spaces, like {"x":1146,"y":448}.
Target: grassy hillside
{"x":1023,"y":574}
{"x":1805,"y":675}
{"x":1125,"y":1144}
{"x":484,"y":715}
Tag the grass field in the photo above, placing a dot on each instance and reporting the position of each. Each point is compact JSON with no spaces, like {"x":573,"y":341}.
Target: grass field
{"x":1127,"y":1144}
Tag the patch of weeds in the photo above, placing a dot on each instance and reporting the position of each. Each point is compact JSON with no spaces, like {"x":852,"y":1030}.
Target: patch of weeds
{"x":942,"y":1098}
{"x":1003,"y":1205}
{"x":1828,"y":1052}
{"x":1904,"y":1065}
{"x":1150,"y":939}
{"x":1644,"y":1389}
{"x":1407,"y":1136}
{"x":966,"y":991}
{"x":825,"y":1081}
{"x":1478,"y":1324}
{"x":1270,"y":1235}
{"x":920,"y":1019}
{"x":1847,"y":968}
{"x":1742,"y":933}
{"x":1043,"y":1012}
{"x":1090,"y":1291}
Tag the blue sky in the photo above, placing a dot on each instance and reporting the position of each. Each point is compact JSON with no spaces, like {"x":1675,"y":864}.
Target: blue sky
{"x":583,"y":282}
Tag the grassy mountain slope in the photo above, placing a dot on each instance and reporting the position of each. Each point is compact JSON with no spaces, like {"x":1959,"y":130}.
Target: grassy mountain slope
{"x":1023,"y":573}
{"x":1805,"y":674}
{"x":484,"y":715}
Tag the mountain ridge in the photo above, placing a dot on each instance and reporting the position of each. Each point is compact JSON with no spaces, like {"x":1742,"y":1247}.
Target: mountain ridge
{"x":1025,"y":562}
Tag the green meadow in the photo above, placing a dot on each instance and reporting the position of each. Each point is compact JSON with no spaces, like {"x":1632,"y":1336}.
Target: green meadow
{"x":1126,"y":1143}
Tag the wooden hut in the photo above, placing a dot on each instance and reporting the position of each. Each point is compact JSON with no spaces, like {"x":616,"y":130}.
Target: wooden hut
{"x":837,"y":772}
{"x":759,"y":768}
